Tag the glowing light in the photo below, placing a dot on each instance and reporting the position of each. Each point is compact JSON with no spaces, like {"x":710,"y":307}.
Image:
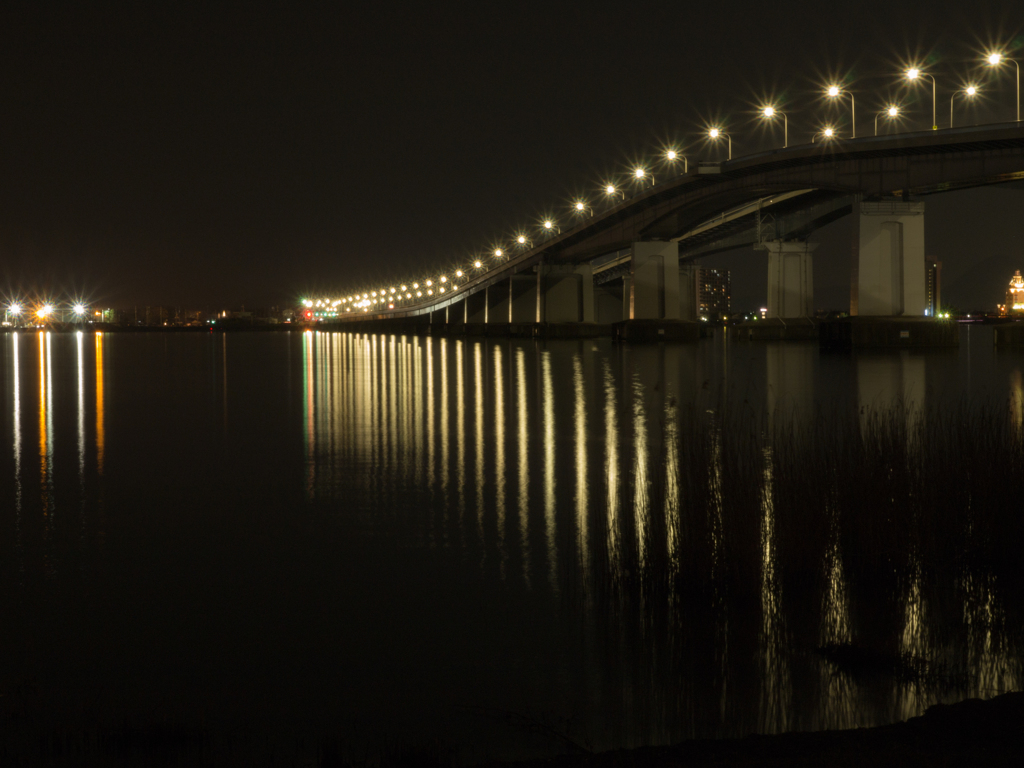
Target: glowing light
{"x":442,"y":289}
{"x":768,"y":111}
{"x":829,"y":133}
{"x":639,"y":173}
{"x":477,"y":263}
{"x":609,"y":189}
{"x":430,"y":292}
{"x":444,"y":279}
{"x":521,"y":239}
{"x":429,"y":283}
{"x":671,"y":155}
{"x":497,"y":252}
{"x":392,"y":290}
{"x":714,"y":133}
{"x":579,"y":206}
{"x":44,"y":310}
{"x":15,"y":309}
{"x":994,"y":58}
{"x":405,"y":288}
{"x":913,"y":74}
{"x":971,"y":90}
{"x":833,"y":91}
{"x":419,"y":293}
{"x":548,"y":224}
{"x":892,"y":111}
{"x":79,"y":309}
{"x":415,"y":285}
{"x":408,"y":295}
{"x":458,"y":273}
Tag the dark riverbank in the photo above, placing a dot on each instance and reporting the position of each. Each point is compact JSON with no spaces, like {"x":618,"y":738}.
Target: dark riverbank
{"x":973,"y":732}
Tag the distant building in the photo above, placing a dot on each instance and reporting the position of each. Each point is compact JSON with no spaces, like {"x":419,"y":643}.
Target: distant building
{"x":1014,"y":296}
{"x":715,"y":294}
{"x":932,"y":287}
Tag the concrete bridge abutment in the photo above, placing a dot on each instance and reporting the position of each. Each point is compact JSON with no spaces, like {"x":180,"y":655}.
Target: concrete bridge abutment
{"x":888,"y":277}
{"x":790,"y":279}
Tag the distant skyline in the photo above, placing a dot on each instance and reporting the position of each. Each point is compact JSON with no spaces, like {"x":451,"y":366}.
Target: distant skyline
{"x":206,"y":157}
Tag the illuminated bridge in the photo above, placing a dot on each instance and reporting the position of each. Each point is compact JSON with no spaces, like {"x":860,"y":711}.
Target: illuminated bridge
{"x":634,"y":260}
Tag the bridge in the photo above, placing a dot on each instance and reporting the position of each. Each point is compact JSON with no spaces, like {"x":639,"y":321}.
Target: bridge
{"x":634,"y":260}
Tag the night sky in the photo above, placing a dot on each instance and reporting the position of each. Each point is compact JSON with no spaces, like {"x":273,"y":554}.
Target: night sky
{"x":218,"y":155}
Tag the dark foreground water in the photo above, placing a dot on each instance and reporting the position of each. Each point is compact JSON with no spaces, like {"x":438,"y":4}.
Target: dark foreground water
{"x":300,"y":544}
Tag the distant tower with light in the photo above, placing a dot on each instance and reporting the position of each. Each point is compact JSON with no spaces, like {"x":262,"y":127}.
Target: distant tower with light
{"x":1015,"y":295}
{"x":932,"y":286}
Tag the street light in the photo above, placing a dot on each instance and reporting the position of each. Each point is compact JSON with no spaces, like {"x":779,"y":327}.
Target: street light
{"x":611,"y":190}
{"x":828,"y":133}
{"x":970,"y":90}
{"x":835,"y":92}
{"x":671,"y":156}
{"x":913,"y":74}
{"x":550,"y":226}
{"x":892,"y":112}
{"x":715,"y":133}
{"x":581,"y":207}
{"x":640,"y":174}
{"x":770,"y":112}
{"x":994,"y":60}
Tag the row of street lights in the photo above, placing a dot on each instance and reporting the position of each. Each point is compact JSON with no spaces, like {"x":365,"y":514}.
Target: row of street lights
{"x":643,"y":176}
{"x":17,"y":313}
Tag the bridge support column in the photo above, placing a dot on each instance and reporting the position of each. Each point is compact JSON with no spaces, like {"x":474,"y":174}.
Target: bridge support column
{"x":627,"y":296}
{"x":498,"y":307}
{"x":457,"y":312}
{"x":888,"y":260}
{"x":790,"y":279}
{"x":689,"y":292}
{"x":567,"y":293}
{"x":522,"y":291}
{"x":439,"y":317}
{"x":654,"y":269}
{"x":476,"y":307}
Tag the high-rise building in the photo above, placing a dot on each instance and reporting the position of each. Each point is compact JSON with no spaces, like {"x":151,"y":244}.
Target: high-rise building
{"x":715,"y":292}
{"x":932,"y":286}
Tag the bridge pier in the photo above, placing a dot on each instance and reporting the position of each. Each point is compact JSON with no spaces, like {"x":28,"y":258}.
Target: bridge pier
{"x":888,"y":260}
{"x":498,"y":304}
{"x":689,"y":292}
{"x":566,"y":293}
{"x":790,"y":279}
{"x":654,"y":283}
{"x":476,"y":307}
{"x":522,"y":291}
{"x":457,"y":312}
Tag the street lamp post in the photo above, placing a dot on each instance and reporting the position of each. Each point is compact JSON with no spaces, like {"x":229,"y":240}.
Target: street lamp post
{"x":968,"y":91}
{"x":826,"y":133}
{"x":890,"y":111}
{"x":716,"y":133}
{"x":913,"y":74}
{"x":834,"y":92}
{"x":994,"y":60}
{"x":671,"y":156}
{"x":768,"y":113}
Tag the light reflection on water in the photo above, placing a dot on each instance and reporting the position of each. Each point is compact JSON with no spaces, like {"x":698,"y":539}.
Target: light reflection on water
{"x":558,"y":475}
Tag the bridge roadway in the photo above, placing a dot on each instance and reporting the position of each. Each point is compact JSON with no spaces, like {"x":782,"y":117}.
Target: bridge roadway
{"x":717,"y":206}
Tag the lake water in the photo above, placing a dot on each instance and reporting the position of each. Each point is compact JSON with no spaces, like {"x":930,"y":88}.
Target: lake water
{"x":287,"y":538}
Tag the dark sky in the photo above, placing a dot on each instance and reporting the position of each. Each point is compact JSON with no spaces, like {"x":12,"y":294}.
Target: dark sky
{"x":217,"y":155}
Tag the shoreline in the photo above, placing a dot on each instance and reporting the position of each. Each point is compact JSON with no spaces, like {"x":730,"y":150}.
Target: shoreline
{"x":975,"y":732}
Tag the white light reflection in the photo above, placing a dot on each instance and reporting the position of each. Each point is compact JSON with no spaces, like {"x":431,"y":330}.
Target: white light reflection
{"x":775,"y":679}
{"x":582,"y":495}
{"x":641,"y":482}
{"x":499,"y":456}
{"x":444,"y":426}
{"x":524,"y":462}
{"x":101,"y":439}
{"x":16,"y":418}
{"x":478,"y":454}
{"x":611,"y":428}
{"x":81,"y":412}
{"x":460,"y":432}
{"x":550,"y":457}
